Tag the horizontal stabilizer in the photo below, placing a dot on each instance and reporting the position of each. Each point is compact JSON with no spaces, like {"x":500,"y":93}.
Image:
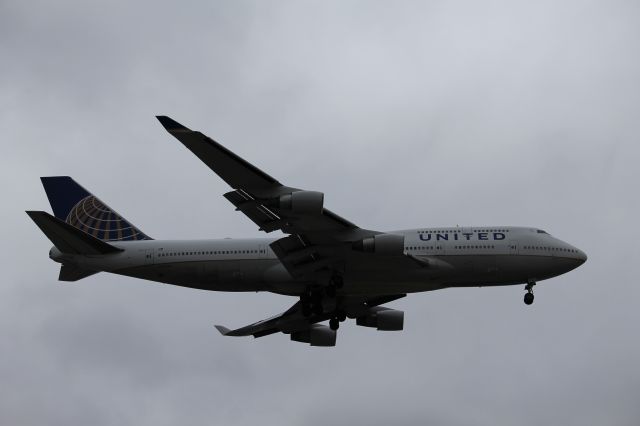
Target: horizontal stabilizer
{"x":67,"y":238}
{"x":71,"y":273}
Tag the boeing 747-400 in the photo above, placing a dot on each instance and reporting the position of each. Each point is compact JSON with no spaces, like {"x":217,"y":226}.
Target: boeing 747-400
{"x":335,"y":269}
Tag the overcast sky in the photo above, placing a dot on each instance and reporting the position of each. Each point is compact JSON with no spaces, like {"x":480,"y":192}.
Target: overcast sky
{"x":405,"y":114}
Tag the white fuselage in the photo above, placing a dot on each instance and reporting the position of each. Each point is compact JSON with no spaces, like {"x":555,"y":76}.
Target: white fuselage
{"x":445,"y":257}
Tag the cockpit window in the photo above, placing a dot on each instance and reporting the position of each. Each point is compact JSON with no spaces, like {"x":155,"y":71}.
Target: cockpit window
{"x":540,"y":231}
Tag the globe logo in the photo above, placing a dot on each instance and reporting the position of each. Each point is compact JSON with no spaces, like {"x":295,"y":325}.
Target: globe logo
{"x":92,"y":216}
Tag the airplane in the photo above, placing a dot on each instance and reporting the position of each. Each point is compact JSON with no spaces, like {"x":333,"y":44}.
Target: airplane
{"x":335,"y":269}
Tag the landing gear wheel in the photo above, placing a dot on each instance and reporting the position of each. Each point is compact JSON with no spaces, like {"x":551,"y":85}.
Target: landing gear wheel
{"x":528,"y":298}
{"x":341,"y":316}
{"x":334,"y":324}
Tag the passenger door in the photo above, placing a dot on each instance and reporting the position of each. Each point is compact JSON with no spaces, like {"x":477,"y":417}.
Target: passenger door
{"x":149,"y":256}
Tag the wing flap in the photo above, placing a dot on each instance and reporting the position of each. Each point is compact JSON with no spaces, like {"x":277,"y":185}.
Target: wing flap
{"x":266,"y":219}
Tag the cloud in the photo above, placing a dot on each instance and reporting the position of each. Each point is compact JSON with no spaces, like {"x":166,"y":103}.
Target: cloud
{"x":406,"y":114}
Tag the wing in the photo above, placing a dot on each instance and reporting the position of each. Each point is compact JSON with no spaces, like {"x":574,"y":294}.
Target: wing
{"x":287,"y":322}
{"x":292,"y":322}
{"x":319,"y":239}
{"x":259,"y":196}
{"x":306,"y":329}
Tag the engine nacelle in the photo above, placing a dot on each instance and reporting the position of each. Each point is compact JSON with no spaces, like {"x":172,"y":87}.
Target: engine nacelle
{"x":383,"y":319}
{"x":316,"y":335}
{"x":386,"y":244}
{"x":302,"y":202}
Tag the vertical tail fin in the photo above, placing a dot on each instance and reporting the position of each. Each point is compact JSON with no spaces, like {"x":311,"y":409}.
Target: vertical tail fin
{"x":76,"y":206}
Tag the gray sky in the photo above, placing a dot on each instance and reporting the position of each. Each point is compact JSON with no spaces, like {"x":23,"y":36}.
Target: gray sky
{"x":405,"y":114}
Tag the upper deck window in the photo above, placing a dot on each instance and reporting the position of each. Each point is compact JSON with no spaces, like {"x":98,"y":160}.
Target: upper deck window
{"x":540,"y":231}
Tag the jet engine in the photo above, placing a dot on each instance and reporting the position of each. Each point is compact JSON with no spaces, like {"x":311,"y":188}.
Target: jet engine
{"x":383,"y":319}
{"x":388,"y":244}
{"x":301,"y":202}
{"x":316,"y":335}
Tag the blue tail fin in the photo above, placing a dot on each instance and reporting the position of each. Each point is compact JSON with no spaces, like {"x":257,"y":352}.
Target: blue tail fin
{"x":83,"y":210}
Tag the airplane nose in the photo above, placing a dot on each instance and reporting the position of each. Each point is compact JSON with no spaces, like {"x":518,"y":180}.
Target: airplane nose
{"x":582,"y":256}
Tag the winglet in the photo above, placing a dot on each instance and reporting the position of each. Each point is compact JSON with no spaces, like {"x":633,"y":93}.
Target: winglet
{"x":222,"y":329}
{"x":170,"y":124}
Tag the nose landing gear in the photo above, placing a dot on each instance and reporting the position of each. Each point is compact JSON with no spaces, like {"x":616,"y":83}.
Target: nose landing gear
{"x":528,"y":297}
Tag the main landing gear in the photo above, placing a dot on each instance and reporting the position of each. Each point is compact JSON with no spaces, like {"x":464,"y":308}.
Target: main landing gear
{"x":528,"y":297}
{"x":336,"y":282}
{"x":311,"y":302}
{"x":334,"y":323}
{"x":312,"y":305}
